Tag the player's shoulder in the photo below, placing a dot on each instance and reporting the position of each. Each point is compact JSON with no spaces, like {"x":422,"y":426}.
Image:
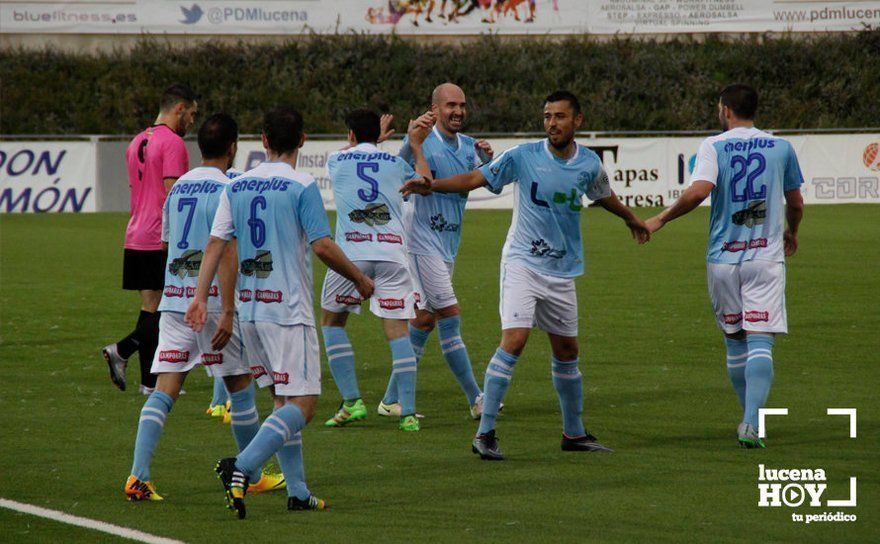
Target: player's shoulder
{"x":588,"y":155}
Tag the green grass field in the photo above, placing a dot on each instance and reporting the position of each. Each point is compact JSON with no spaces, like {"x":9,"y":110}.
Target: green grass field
{"x":656,"y":385}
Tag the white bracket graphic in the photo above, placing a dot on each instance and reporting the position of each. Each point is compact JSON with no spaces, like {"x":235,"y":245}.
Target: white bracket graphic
{"x":851,"y":412}
{"x":852,"y":495}
{"x":762,"y":431}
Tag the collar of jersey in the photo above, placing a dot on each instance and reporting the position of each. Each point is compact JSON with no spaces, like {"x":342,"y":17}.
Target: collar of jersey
{"x":577,"y":152}
{"x":443,"y":139}
{"x":364,"y":146}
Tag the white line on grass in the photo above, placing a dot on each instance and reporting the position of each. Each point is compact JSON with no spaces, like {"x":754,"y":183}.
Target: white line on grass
{"x":102,"y":526}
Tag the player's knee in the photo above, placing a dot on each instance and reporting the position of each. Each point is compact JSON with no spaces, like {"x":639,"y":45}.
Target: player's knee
{"x":423,"y":321}
{"x":738,"y":335}
{"x":449,"y":311}
{"x":237,"y":383}
{"x":566,"y":353}
{"x":333,"y":319}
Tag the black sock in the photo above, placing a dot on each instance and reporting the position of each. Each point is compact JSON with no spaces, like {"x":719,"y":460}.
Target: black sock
{"x":149,"y":341}
{"x":128,"y":345}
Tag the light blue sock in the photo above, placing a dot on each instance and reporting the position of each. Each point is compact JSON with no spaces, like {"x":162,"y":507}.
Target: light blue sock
{"x":245,"y":418}
{"x":278,"y":428}
{"x":403,"y":365}
{"x":759,"y":375}
{"x":568,"y":381}
{"x":341,"y":359}
{"x":456,"y":355}
{"x":498,"y":375}
{"x":737,"y":354}
{"x":152,"y":420}
{"x":290,"y":458}
{"x":418,"y":338}
{"x":220,"y":393}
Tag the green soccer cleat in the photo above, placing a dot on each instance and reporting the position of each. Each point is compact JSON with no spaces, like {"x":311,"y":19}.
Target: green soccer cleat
{"x":748,"y":437}
{"x":348,"y":414}
{"x":409,"y":423}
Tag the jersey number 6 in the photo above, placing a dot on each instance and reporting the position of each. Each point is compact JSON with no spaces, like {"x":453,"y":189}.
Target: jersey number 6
{"x":362,"y":169}
{"x":258,"y":228}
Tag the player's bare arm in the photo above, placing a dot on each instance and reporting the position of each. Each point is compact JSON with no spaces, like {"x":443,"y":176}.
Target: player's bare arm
{"x":197,"y":313}
{"x":417,"y":132}
{"x":228,"y":275}
{"x":794,"y":212}
{"x":330,"y":254}
{"x":637,"y":227}
{"x":453,"y":184}
{"x":690,"y":199}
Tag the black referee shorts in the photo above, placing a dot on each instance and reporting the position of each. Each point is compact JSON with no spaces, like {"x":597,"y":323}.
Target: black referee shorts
{"x":144,"y":270}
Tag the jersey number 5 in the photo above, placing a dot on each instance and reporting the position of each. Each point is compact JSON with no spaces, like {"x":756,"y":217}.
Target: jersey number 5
{"x":748,"y":192}
{"x":362,"y":169}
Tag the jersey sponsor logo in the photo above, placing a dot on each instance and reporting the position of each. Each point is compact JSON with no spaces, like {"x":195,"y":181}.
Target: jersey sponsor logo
{"x":439,"y":224}
{"x":268,"y":296}
{"x":358,"y":156}
{"x":173,"y":291}
{"x":187,"y":264}
{"x":389,"y":238}
{"x":281,"y":377}
{"x":391,"y":303}
{"x":348,"y":300}
{"x":258,"y":371}
{"x":756,"y":315}
{"x":742,"y":245}
{"x":173,"y":356}
{"x":752,"y":215}
{"x":260,"y":185}
{"x":540,"y":248}
{"x":209,"y":359}
{"x":372,"y":214}
{"x":572,"y":199}
{"x":195,"y":188}
{"x":245,"y":295}
{"x":732,"y":319}
{"x":260,"y":266}
{"x":358,"y":237}
{"x":748,"y":145}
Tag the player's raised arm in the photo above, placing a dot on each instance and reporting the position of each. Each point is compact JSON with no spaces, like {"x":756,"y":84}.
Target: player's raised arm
{"x":228,"y":275}
{"x":689,"y":199}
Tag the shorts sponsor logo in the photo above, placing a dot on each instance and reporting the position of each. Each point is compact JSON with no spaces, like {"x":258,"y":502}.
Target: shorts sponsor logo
{"x":268,"y":296}
{"x":245,"y":295}
{"x":391,"y":303}
{"x":418,"y":296}
{"x":358,"y":237}
{"x":209,"y":359}
{"x":372,"y":215}
{"x":742,"y":245}
{"x":281,"y":377}
{"x":348,"y":299}
{"x":752,"y":215}
{"x":260,"y":266}
{"x":732,"y":319}
{"x":258,"y":371}
{"x":389,"y":238}
{"x":173,"y":356}
{"x":755,"y":315}
{"x":187,"y":264}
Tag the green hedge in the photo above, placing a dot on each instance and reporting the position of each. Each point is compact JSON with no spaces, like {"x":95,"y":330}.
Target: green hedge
{"x":819,"y":82}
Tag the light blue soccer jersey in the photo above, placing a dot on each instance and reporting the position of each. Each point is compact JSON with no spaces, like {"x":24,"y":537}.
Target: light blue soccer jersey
{"x":274,"y":212}
{"x":437,"y":218}
{"x":751,"y":171}
{"x":186,"y":226}
{"x":545,"y":234}
{"x":366,"y":188}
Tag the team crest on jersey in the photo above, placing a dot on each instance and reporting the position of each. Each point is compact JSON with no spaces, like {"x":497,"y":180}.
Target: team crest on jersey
{"x":754,"y":214}
{"x":540,"y":248}
{"x":372,"y":214}
{"x":187,"y":264}
{"x":260,"y":266}
{"x":583,"y":180}
{"x":439,"y":224}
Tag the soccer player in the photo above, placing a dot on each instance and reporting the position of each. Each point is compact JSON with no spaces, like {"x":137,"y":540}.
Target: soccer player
{"x":275,"y":213}
{"x":542,"y":256}
{"x":434,"y":236}
{"x":369,"y":229}
{"x":155,"y":159}
{"x":186,"y":222}
{"x":754,"y":180}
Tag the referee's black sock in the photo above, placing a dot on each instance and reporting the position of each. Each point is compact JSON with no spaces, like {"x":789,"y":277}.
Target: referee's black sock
{"x":128,"y":345}
{"x":149,"y":341}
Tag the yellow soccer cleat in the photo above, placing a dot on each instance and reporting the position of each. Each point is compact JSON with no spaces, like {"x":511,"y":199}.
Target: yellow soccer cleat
{"x":268,"y":482}
{"x":220,"y":411}
{"x":137,"y":490}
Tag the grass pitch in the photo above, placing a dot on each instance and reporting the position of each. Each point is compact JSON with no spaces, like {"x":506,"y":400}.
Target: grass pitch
{"x":655,"y":382}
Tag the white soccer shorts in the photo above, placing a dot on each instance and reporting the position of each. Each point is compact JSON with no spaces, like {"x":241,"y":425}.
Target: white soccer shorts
{"x":748,"y":296}
{"x":393,"y":296}
{"x":286,"y":356}
{"x":432,"y":281}
{"x":181,"y":348}
{"x":530,"y":299}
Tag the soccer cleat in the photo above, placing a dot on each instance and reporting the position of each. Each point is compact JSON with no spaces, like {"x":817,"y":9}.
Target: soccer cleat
{"x":388,"y":410}
{"x":147,"y":391}
{"x":137,"y":490}
{"x":748,"y":437}
{"x":409,"y":423}
{"x":348,"y":414}
{"x":268,"y":482}
{"x":117,"y":365}
{"x":587,"y":442}
{"x":477,"y":407}
{"x":220,"y":411}
{"x":235,"y":484}
{"x":312,"y":503}
{"x":486,"y":445}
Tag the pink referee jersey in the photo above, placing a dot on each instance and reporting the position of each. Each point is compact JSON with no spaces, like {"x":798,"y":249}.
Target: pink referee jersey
{"x":153,"y":155}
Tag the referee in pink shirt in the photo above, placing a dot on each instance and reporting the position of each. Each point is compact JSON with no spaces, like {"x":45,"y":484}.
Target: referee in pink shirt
{"x":155,"y":159}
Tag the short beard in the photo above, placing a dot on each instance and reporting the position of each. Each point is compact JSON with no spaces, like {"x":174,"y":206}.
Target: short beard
{"x":562,"y":145}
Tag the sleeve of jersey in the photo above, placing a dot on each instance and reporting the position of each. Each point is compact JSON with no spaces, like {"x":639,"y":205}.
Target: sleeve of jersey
{"x":500,"y":171}
{"x":223,"y":226}
{"x":408,"y":172}
{"x":793,"y":176}
{"x":312,"y":216}
{"x":405,"y":152}
{"x":601,"y":186}
{"x":175,"y":160}
{"x":706,"y":168}
{"x":165,"y":227}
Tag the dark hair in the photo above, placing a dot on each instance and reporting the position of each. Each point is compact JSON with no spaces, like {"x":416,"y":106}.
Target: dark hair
{"x":175,"y":94}
{"x":559,"y":95}
{"x":217,"y":133}
{"x":365,"y":125}
{"x":283,"y":128}
{"x":741,"y":99}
